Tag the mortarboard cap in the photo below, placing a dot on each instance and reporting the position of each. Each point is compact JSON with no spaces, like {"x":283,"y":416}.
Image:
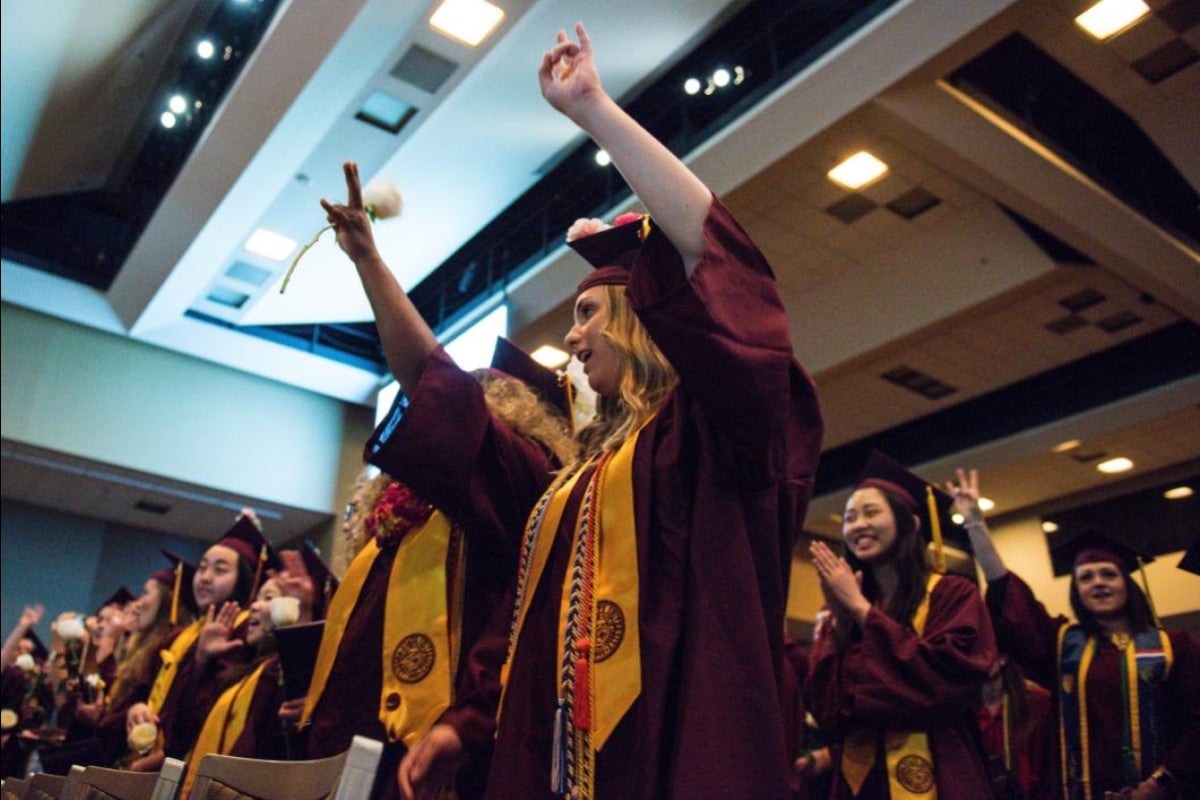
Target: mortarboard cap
{"x":1191,"y":558}
{"x":930,"y":504}
{"x":325,"y":583}
{"x":40,"y":651}
{"x":1089,"y":545}
{"x":245,"y":538}
{"x":516,"y":363}
{"x":612,"y":251}
{"x":121,"y":597}
{"x":177,"y":579}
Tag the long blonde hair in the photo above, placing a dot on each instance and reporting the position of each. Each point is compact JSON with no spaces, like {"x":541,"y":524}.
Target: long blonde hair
{"x":647,"y":378}
{"x":134,"y":665}
{"x":519,"y":407}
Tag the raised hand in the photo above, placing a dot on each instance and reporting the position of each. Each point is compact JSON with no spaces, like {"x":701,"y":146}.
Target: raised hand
{"x":294,"y":581}
{"x":32,"y":615}
{"x":965,"y":491}
{"x":350,"y":220}
{"x":567,"y":75}
{"x":431,"y":763}
{"x":216,"y":636}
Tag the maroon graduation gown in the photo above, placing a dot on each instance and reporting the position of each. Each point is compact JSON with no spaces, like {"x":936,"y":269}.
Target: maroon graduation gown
{"x":888,"y":678}
{"x":1029,"y":634}
{"x":722,"y":478}
{"x":263,"y":734}
{"x":485,"y":477}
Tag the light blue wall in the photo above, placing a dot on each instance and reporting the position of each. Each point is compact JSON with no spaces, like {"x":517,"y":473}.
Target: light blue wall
{"x":70,"y":563}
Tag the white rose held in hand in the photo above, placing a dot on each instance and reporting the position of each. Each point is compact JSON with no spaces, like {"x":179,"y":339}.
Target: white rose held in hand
{"x":70,"y":628}
{"x":25,"y":662}
{"x":285,"y":611}
{"x":143,"y":737}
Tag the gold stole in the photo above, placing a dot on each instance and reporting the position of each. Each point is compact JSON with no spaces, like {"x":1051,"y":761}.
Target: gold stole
{"x":224,"y":724}
{"x":615,"y":651}
{"x":909,"y":761}
{"x":417,"y":634}
{"x":170,"y":659}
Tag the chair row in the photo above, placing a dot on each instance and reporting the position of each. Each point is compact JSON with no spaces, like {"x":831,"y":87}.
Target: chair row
{"x":347,"y":776}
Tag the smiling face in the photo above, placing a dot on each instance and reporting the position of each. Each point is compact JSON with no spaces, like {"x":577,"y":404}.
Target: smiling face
{"x":258,"y":624}
{"x":1102,"y":589}
{"x":586,"y":342}
{"x":216,"y":576}
{"x":869,"y":526}
{"x":145,"y":609}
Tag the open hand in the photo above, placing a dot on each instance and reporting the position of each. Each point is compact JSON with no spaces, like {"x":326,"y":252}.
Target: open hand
{"x":216,"y":637}
{"x":567,"y":75}
{"x":431,"y":763}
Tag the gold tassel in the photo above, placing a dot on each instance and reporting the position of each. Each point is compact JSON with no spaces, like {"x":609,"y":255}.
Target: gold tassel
{"x":935,"y":527}
{"x":175,"y":593}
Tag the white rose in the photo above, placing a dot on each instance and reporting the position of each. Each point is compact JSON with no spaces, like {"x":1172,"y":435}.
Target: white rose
{"x":586,"y":227}
{"x":25,"y":662}
{"x":8,"y":719}
{"x":285,"y":611}
{"x":382,"y":199}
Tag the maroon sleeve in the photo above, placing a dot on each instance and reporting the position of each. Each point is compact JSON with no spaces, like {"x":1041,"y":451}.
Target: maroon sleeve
{"x":725,"y":330}
{"x":1024,"y":629}
{"x":1181,"y":707}
{"x":890,"y":677}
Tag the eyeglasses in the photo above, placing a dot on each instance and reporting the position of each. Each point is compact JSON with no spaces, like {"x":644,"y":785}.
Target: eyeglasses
{"x":349,"y":513}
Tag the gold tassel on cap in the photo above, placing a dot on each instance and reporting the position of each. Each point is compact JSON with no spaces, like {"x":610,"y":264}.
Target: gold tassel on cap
{"x":935,"y":528}
{"x":175,"y":593}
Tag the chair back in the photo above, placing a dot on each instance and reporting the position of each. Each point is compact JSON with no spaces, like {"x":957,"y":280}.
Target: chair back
{"x":102,"y":783}
{"x":44,"y":786}
{"x":358,"y":775}
{"x":222,"y":777}
{"x":14,"y":789}
{"x":169,"y":778}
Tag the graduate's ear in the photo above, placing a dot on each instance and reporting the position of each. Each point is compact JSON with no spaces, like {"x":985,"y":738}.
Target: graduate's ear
{"x":916,"y":524}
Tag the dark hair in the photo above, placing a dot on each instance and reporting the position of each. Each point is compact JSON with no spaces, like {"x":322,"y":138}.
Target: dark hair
{"x":1137,"y":608}
{"x":1019,"y":705}
{"x":244,"y":585}
{"x":908,"y":554}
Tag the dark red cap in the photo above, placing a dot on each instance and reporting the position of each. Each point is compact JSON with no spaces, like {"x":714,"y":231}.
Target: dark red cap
{"x":882,"y":472}
{"x":612,"y":251}
{"x":324,"y":582}
{"x":245,"y":538}
{"x":121,"y":597}
{"x":516,"y":363}
{"x":1090,"y":546}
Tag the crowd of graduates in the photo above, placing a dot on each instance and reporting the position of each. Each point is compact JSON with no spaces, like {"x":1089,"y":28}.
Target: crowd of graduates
{"x":537,"y":606}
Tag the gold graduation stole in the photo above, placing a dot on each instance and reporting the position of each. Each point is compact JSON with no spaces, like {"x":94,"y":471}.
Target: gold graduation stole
{"x":909,"y":761}
{"x":419,"y":633}
{"x":224,"y":724}
{"x":598,"y":638}
{"x":171,"y":657}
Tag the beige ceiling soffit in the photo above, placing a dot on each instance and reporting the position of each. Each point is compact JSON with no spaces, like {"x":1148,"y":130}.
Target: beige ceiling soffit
{"x":991,"y":154}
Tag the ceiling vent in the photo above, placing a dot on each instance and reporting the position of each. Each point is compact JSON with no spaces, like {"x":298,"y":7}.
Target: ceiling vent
{"x":851,"y":207}
{"x":424,"y":69}
{"x":1166,"y":61}
{"x":1119,"y":322}
{"x":248,"y":273}
{"x":918,"y":382}
{"x":914,"y":203}
{"x":151,"y":507}
{"x":1064,"y":325}
{"x":1082,"y":300}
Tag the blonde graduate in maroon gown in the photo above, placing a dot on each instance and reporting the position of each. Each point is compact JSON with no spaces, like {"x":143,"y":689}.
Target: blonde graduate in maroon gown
{"x":647,"y":648}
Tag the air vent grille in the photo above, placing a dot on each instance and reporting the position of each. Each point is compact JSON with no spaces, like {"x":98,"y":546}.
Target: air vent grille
{"x":916,"y":381}
{"x":424,"y":69}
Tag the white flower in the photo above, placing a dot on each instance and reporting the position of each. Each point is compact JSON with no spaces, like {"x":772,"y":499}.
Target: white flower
{"x":71,"y":628}
{"x":95,"y":681}
{"x":8,"y":719}
{"x":142,"y":737}
{"x":382,"y":199}
{"x":586,"y":227}
{"x":583,"y":404}
{"x":25,"y":662}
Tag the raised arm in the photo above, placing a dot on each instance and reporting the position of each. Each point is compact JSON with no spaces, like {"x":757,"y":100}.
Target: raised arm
{"x":29,"y":617}
{"x":965,"y":491}
{"x":407,"y":340}
{"x":674,"y":196}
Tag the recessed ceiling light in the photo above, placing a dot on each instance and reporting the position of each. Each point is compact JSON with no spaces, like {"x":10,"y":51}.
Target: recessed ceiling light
{"x":1067,"y":445}
{"x":167,"y":119}
{"x":1119,"y":464}
{"x":603,"y":158}
{"x":468,"y":21}
{"x":1178,"y":493}
{"x":550,"y":356}
{"x":692,"y":86}
{"x":205,"y":49}
{"x":986,"y":504}
{"x":858,"y":170}
{"x":1049,"y":527}
{"x":721,"y":77}
{"x":1110,"y":17}
{"x":957,"y":518}
{"x":269,"y":244}
{"x":177,"y":104}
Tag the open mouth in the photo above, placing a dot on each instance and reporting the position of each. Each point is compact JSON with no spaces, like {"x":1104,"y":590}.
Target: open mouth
{"x":584,"y":356}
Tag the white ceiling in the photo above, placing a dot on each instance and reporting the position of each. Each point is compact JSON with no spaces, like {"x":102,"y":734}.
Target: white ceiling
{"x":958,"y":292}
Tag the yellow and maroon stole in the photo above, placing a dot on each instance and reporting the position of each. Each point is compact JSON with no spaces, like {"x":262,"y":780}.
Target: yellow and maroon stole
{"x":598,"y":638}
{"x":224,"y":724}
{"x":171,"y":657}
{"x":1146,"y":661}
{"x":421,"y":630}
{"x":909,"y":760}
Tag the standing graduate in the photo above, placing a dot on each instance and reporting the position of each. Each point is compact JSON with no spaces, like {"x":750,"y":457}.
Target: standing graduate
{"x":647,"y":648}
{"x":1126,"y":692}
{"x":897,"y":670}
